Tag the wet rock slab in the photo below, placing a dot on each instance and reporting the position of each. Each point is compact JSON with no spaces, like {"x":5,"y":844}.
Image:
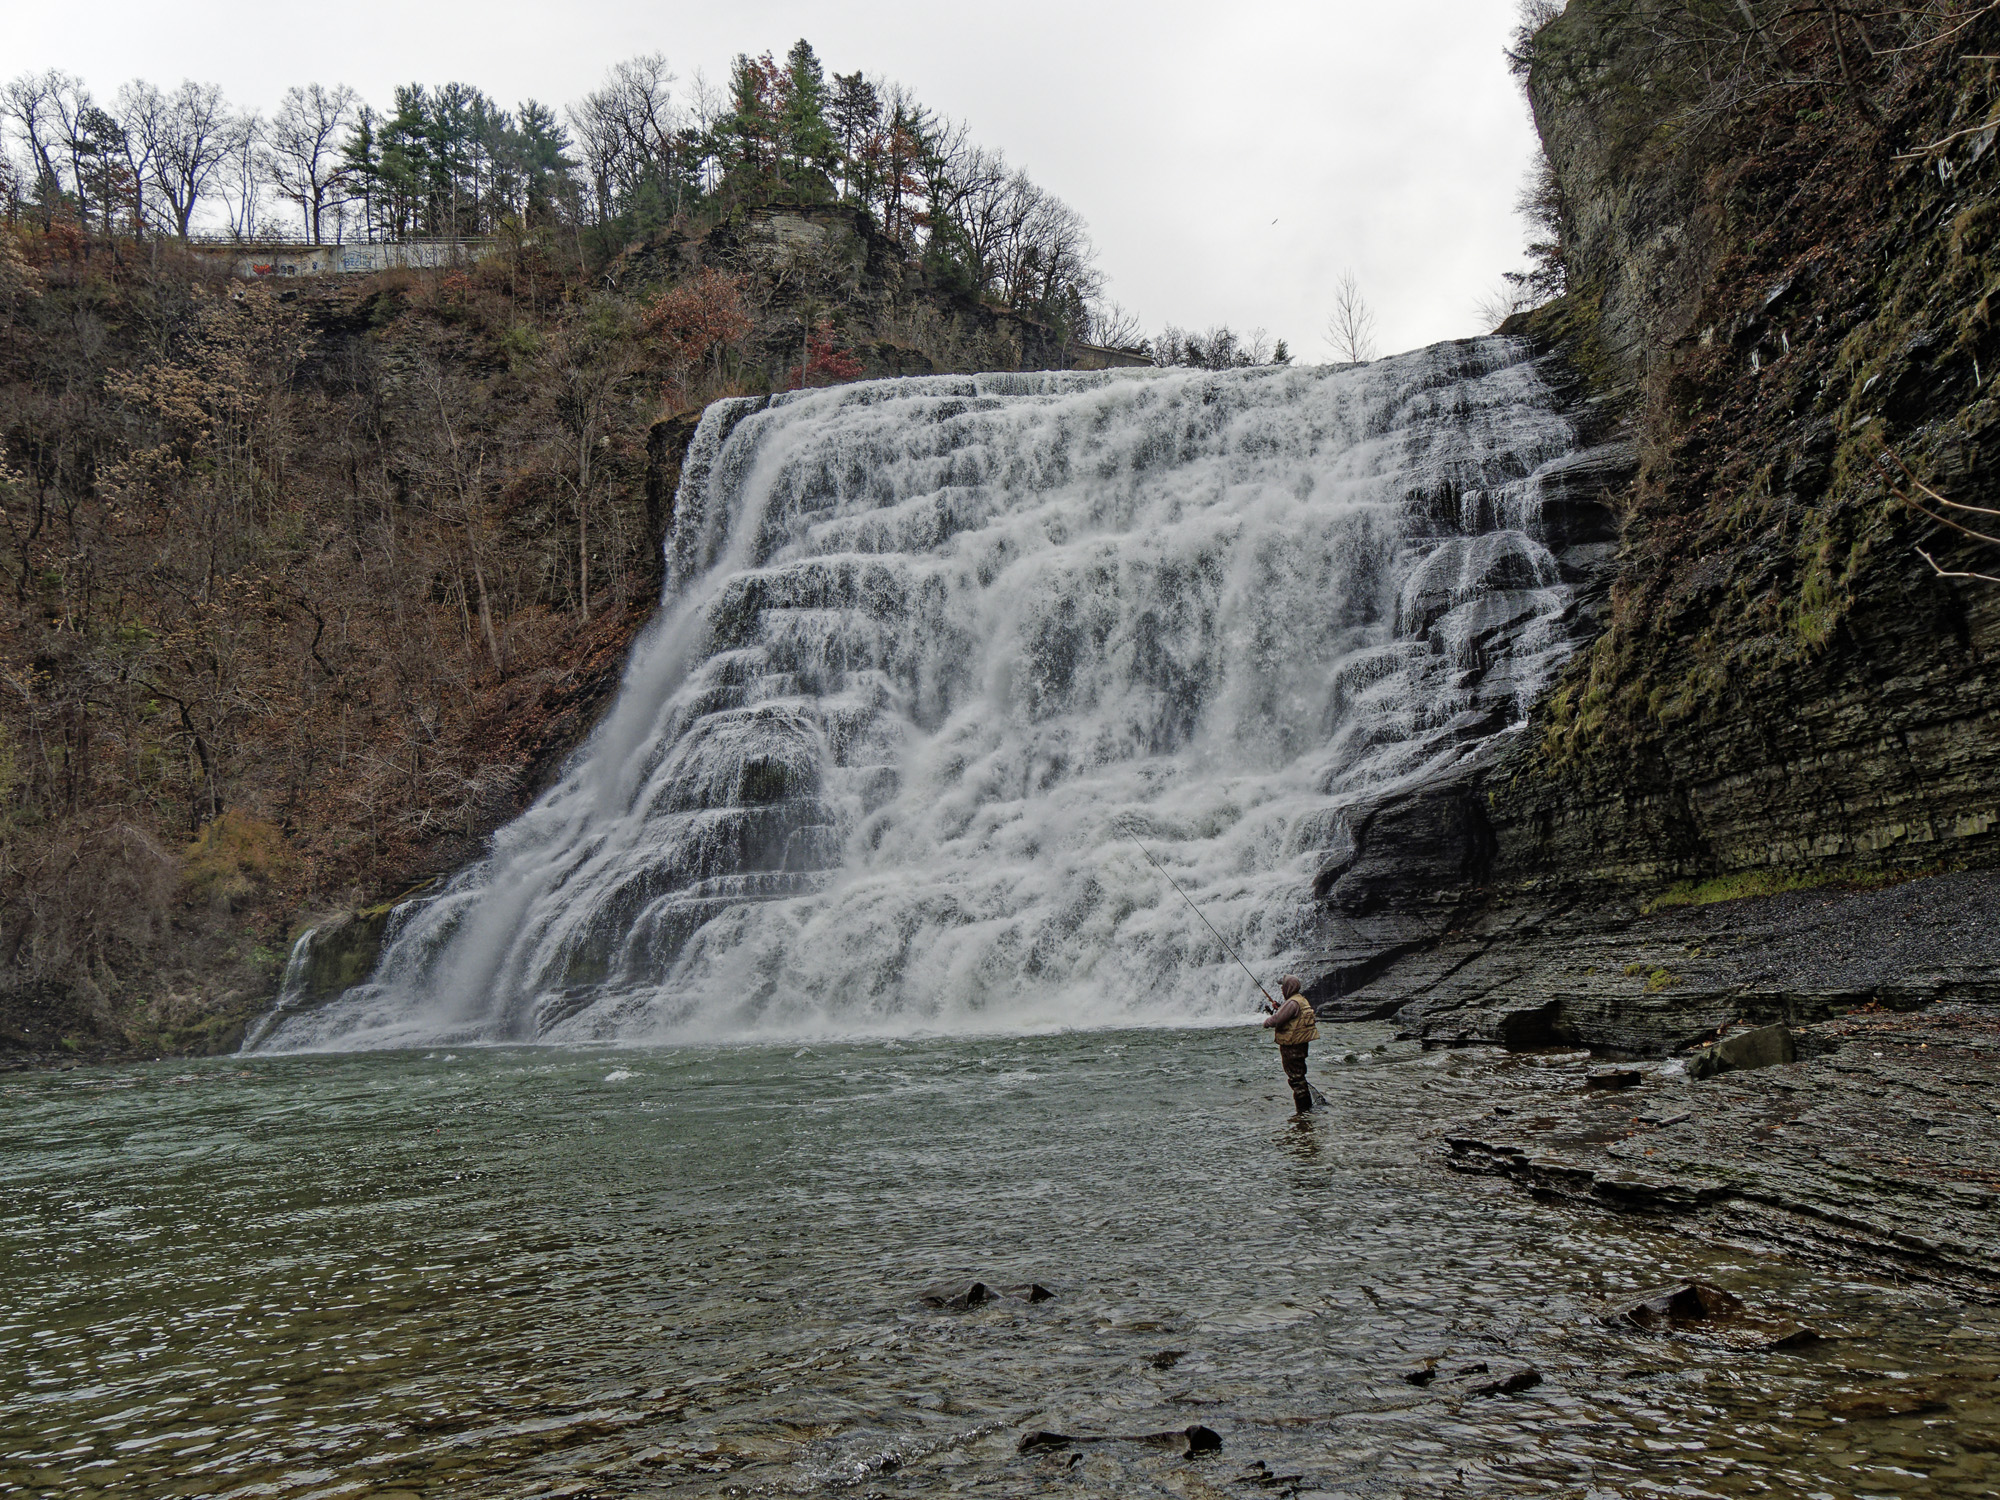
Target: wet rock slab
{"x":1875,"y":1149}
{"x":1636,"y":984}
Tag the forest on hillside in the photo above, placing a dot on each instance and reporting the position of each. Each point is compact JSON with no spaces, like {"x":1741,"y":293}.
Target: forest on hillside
{"x":644,"y":151}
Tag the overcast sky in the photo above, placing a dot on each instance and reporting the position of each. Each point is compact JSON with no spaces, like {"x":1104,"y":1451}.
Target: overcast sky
{"x":1231,"y":159}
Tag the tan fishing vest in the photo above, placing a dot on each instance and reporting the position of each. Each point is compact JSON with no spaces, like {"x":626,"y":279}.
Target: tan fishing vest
{"x":1303,"y":1027}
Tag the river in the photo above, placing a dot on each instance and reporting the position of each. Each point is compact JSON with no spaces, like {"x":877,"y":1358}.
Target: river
{"x":697,"y":1271}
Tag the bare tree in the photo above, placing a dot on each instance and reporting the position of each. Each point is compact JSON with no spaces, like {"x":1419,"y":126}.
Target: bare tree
{"x":1351,"y":327}
{"x":79,"y":123}
{"x":1217,"y":348}
{"x":182,"y":138}
{"x":139,"y":108}
{"x":29,"y":101}
{"x":1113,"y":326}
{"x":241,"y":174}
{"x":302,"y":148}
{"x":708,"y":107}
{"x":628,"y":130}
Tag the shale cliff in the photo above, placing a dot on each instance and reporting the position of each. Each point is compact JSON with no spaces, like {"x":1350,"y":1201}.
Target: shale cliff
{"x":1781,"y":286}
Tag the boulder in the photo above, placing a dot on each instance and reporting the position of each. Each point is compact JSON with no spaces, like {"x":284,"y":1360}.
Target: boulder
{"x":1043,"y":1442}
{"x":1185,"y":1440}
{"x":1765,"y":1047}
{"x":1689,"y":1302}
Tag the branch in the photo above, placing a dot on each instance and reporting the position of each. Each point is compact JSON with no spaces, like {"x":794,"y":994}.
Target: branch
{"x":1945,"y":140}
{"x":1945,"y":520}
{"x":1897,"y":460}
{"x":1944,"y":572}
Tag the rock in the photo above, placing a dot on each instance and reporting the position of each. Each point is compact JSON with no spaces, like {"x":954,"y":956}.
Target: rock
{"x":1854,"y":1406}
{"x":1262,"y":1474}
{"x":1182,"y":1440}
{"x":1504,"y":1377}
{"x":1792,"y":1336}
{"x":1043,"y":1442}
{"x":1185,"y":1440}
{"x":1614,"y":1078}
{"x":1765,"y":1047}
{"x":1166,"y":1359}
{"x":957,"y":1296}
{"x":1473,"y":1377}
{"x":1028,"y":1291}
{"x":1689,"y":1302}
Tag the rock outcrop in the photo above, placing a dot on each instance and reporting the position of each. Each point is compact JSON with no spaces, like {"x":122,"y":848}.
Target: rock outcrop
{"x":1777,"y":691}
{"x":1874,"y":1151}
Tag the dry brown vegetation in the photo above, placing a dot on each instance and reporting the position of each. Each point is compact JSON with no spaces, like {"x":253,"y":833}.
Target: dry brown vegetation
{"x":299,"y":591}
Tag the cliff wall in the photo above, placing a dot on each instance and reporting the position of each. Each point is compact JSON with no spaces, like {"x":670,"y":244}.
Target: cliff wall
{"x":1787,"y":297}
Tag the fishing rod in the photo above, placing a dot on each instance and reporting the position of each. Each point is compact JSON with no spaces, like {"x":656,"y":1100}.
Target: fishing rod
{"x":1127,"y":831}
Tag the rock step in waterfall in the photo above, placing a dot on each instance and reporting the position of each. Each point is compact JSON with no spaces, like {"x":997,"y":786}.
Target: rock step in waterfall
{"x":926,"y":647}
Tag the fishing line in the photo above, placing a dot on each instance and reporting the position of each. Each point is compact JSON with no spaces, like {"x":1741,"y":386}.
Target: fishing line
{"x":1127,"y":831}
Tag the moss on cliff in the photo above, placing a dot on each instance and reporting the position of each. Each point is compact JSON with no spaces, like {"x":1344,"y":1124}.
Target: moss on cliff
{"x":1793,"y":291}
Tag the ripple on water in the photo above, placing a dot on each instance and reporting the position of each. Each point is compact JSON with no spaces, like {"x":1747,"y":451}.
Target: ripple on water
{"x":492,"y":1273}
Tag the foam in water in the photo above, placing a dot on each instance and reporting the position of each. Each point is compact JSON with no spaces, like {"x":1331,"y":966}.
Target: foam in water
{"x":929,"y":645}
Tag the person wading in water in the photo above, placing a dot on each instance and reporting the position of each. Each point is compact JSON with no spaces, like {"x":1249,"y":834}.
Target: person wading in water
{"x":1296,"y":1026}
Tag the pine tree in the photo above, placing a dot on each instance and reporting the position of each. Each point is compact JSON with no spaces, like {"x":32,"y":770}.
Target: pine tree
{"x":808,"y":140}
{"x":750,"y":131}
{"x":541,"y":147}
{"x":361,"y":166}
{"x":856,"y":117}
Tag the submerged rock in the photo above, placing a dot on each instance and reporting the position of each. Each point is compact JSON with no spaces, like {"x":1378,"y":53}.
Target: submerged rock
{"x":957,"y":1296}
{"x":1474,"y":1377}
{"x":1183,"y":1440}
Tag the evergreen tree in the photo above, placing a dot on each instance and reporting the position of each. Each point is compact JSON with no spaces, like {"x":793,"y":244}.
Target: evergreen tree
{"x":541,"y":148}
{"x":808,"y":139}
{"x":406,"y":162}
{"x":750,"y":132}
{"x":361,"y":165}
{"x":856,"y":117}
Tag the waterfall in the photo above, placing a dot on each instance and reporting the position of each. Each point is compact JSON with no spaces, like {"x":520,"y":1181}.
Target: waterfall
{"x":928,"y":648}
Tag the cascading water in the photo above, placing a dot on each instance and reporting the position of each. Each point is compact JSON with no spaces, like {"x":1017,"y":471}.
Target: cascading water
{"x":930,"y":646}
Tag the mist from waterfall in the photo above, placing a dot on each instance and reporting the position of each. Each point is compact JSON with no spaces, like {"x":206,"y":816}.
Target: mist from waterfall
{"x":930,"y":647}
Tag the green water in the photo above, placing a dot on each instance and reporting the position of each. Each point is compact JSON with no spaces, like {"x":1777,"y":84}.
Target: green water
{"x":697,"y":1272}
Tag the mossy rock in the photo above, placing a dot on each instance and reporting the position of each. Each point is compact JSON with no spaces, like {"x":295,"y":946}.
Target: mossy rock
{"x":341,"y":954}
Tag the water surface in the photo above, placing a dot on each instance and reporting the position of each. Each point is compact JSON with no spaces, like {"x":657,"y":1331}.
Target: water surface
{"x":621,"y":1272}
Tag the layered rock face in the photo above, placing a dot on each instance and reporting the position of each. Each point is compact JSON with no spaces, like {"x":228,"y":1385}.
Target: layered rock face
{"x":1781,"y":690}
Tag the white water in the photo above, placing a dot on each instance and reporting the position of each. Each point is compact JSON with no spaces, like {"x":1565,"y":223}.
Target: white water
{"x":926,"y":646}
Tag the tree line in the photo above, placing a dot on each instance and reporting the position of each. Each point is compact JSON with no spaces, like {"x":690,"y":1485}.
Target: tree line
{"x":634,"y":155}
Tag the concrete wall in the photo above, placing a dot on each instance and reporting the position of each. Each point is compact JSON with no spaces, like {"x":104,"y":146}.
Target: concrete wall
{"x":276,"y":260}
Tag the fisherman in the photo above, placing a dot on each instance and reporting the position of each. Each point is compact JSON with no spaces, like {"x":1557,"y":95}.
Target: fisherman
{"x":1296,"y":1026}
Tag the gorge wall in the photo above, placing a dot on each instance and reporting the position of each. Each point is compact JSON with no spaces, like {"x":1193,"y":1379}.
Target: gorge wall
{"x":1788,"y":302}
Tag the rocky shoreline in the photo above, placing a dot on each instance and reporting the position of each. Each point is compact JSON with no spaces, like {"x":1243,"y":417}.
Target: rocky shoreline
{"x":1861,"y":1136}
{"x":1626,"y":982}
{"x":1873,"y":1152}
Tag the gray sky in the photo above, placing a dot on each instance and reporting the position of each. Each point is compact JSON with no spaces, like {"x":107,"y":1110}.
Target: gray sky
{"x":1382,"y":136}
